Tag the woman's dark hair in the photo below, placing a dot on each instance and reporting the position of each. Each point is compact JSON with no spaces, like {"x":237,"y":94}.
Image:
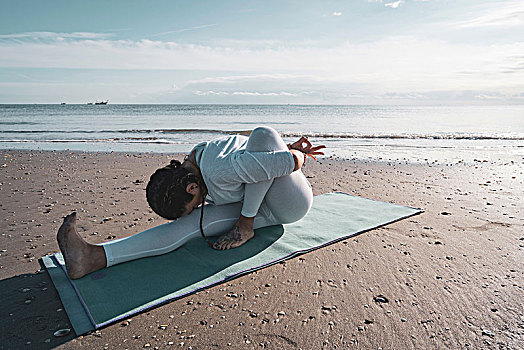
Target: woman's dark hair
{"x":166,"y":190}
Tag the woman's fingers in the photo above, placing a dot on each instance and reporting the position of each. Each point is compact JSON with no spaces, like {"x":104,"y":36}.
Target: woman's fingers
{"x":314,"y":149}
{"x":304,"y":145}
{"x":305,"y":142}
{"x":300,"y":140}
{"x":312,"y":156}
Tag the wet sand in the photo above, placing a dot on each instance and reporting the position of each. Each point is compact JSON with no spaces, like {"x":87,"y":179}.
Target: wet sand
{"x":452,"y":277}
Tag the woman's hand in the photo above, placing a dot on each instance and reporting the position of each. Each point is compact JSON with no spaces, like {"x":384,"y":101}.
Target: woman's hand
{"x":303,"y":145}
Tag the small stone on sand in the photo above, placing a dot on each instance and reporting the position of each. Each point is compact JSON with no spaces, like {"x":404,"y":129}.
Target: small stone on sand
{"x":62,"y":332}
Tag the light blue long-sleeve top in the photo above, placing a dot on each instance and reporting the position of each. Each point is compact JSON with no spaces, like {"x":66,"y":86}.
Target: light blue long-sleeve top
{"x":226,"y":167}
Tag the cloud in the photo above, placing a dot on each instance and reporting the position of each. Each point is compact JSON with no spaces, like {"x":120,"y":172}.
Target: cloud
{"x":337,"y":95}
{"x":396,"y":63}
{"x":55,"y":36}
{"x":395,"y":4}
{"x":490,"y":96}
{"x":211,"y":93}
{"x":462,"y":95}
{"x":244,"y":93}
{"x":505,"y":16}
{"x":234,"y":79}
{"x":337,"y":13}
{"x":250,"y":93}
{"x":183,"y":30}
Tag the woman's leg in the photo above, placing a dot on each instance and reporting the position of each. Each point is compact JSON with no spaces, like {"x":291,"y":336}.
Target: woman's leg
{"x":167,"y":237}
{"x":262,"y":139}
{"x":82,"y":258}
{"x":289,"y":197}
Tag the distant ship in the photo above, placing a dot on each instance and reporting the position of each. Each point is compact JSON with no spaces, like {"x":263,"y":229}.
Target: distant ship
{"x":98,"y":102}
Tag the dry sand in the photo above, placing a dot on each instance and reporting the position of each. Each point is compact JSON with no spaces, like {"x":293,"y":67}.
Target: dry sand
{"x":453,"y":275}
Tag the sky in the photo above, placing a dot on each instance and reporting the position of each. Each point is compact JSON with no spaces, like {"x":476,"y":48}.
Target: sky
{"x":268,"y":52}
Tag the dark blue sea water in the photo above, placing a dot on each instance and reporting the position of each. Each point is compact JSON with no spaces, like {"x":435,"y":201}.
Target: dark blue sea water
{"x":410,"y":133}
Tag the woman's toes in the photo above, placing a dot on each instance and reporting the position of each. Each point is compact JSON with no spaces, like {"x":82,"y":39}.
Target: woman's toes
{"x":219,"y":243}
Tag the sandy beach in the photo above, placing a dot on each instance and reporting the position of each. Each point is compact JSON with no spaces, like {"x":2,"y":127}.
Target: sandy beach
{"x":453,"y":276}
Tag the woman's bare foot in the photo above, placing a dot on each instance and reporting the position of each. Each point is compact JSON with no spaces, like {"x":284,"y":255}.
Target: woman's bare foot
{"x":80,"y":257}
{"x":233,"y":238}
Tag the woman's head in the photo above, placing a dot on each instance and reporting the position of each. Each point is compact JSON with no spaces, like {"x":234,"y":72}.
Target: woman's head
{"x":171,"y":189}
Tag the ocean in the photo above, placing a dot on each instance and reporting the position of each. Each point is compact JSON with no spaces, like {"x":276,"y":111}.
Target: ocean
{"x":416,"y":134}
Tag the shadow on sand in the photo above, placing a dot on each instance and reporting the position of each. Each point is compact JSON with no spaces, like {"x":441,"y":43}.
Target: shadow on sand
{"x":31,"y":311}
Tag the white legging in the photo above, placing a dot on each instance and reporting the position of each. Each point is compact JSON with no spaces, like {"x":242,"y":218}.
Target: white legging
{"x":281,"y":200}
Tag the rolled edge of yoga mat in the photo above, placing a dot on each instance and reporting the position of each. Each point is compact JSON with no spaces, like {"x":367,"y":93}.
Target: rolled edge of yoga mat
{"x":75,"y":309}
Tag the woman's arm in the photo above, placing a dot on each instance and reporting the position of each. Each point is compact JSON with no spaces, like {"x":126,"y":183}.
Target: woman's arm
{"x":262,"y":166}
{"x":252,"y":167}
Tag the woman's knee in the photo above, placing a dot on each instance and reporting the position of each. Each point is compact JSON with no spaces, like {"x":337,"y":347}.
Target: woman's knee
{"x":265,"y":138}
{"x":294,"y":211}
{"x":264,"y":132}
{"x":290,"y":198}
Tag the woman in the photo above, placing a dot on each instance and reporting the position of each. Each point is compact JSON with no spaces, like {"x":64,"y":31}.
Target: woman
{"x":241,"y":183}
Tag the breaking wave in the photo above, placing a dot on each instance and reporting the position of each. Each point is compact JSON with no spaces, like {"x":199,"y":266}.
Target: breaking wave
{"x":320,"y":135}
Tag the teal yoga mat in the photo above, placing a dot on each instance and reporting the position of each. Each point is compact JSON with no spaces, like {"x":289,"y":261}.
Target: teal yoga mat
{"x":120,"y":291}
